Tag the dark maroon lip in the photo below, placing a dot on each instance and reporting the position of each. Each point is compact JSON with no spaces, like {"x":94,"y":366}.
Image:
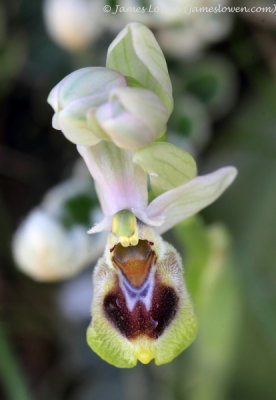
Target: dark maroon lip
{"x":139,"y":304}
{"x":140,"y":321}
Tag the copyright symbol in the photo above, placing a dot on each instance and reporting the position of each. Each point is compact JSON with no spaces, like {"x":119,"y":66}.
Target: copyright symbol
{"x":106,"y":8}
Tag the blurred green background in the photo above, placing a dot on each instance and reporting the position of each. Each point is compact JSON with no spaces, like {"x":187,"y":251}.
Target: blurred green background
{"x":225,"y":113}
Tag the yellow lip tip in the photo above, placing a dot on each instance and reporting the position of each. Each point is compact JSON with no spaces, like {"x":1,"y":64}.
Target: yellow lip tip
{"x":145,"y":357}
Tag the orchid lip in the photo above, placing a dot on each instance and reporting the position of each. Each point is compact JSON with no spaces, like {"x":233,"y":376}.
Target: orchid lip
{"x":132,"y":299}
{"x":137,"y":317}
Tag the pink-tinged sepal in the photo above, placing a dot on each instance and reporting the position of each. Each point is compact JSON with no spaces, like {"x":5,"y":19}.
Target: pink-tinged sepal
{"x":120,"y":183}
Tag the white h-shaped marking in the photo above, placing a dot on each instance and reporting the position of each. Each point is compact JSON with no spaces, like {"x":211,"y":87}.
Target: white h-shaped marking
{"x":143,"y":293}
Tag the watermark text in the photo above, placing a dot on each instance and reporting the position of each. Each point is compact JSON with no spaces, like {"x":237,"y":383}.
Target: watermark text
{"x":214,"y":9}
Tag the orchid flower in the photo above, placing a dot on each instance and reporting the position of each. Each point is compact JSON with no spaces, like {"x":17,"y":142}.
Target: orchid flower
{"x":141,"y":309}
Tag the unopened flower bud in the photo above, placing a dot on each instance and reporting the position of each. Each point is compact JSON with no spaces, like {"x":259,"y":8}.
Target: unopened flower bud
{"x":94,"y":104}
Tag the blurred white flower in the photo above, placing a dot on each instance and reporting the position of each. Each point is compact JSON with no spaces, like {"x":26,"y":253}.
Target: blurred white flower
{"x":183,"y":27}
{"x":156,"y":13}
{"x":196,"y":31}
{"x":73,"y":24}
{"x":47,"y":250}
{"x":181,"y":30}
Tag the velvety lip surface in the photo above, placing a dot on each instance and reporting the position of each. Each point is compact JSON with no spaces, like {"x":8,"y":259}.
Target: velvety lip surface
{"x":139,"y":321}
{"x":135,"y":263}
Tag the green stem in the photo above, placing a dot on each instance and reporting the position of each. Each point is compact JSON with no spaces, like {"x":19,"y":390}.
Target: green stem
{"x":11,"y":374}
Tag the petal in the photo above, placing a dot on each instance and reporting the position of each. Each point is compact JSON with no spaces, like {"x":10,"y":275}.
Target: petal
{"x":188,"y":199}
{"x":74,"y":125}
{"x":120,"y":183}
{"x":133,"y":117}
{"x":140,"y":316}
{"x":94,"y":125}
{"x":103,"y":225}
{"x":136,"y":53}
{"x":82,"y":83}
{"x":126,"y":131}
{"x":142,"y":216}
{"x":178,"y":169}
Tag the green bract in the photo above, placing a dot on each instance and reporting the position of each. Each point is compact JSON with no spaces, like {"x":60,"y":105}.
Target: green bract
{"x":136,"y":53}
{"x":167,"y":165}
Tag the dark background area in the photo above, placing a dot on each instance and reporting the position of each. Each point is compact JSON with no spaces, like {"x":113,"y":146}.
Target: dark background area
{"x":43,"y":354}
